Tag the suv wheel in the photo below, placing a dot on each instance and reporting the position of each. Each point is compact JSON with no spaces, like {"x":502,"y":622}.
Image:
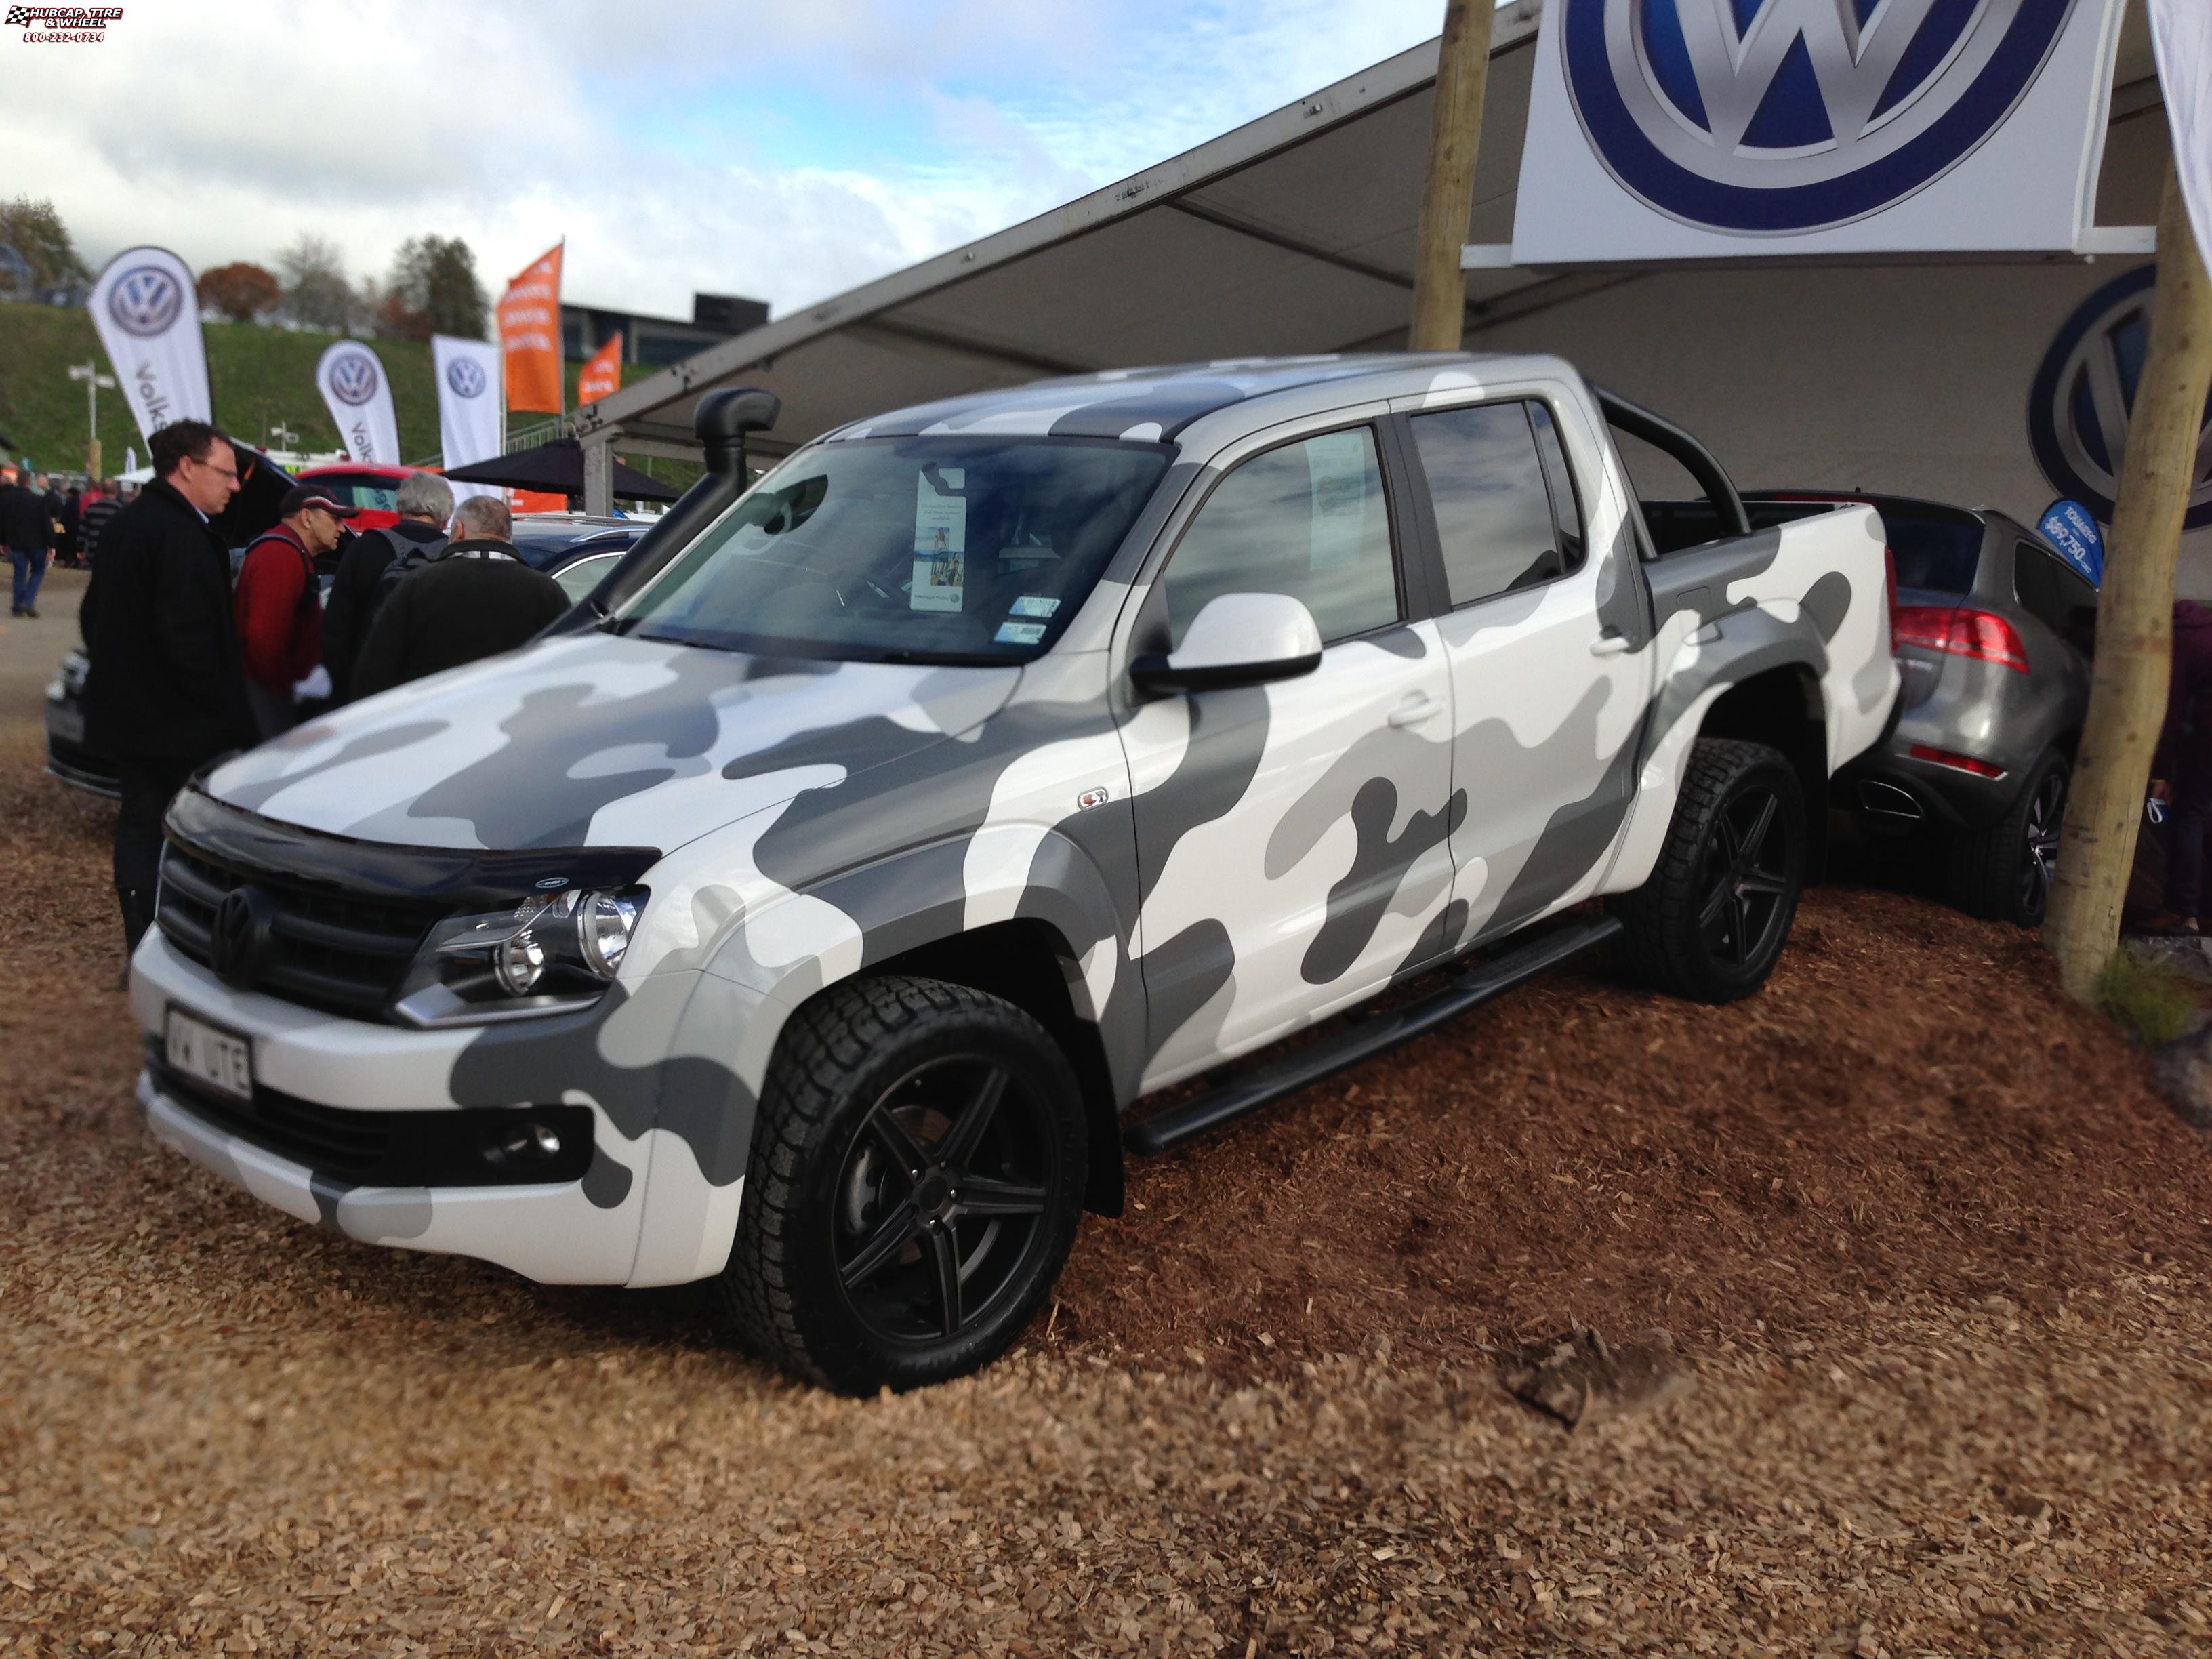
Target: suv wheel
{"x":916,"y":1176}
{"x":2004,"y":871}
{"x":1713,"y":918}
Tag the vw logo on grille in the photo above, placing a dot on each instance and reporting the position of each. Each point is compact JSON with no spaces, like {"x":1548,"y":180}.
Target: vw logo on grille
{"x":2085,"y":393}
{"x":353,"y":377}
{"x":1776,"y":117}
{"x":241,"y":935}
{"x":465,"y":377}
{"x":145,"y":301}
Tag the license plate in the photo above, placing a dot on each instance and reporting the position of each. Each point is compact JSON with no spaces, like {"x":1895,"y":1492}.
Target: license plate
{"x":67,"y":724}
{"x":206,"y":1055}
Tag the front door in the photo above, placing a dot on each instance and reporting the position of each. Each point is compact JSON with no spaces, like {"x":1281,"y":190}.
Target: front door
{"x":1544,"y":634}
{"x":1292,"y":837}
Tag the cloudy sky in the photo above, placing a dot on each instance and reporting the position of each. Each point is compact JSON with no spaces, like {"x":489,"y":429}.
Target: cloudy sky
{"x":786,"y":153}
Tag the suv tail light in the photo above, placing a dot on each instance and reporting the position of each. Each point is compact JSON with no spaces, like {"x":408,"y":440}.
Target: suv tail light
{"x":1960,"y":631}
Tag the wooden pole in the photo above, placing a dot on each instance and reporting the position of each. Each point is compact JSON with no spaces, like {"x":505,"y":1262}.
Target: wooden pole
{"x":2135,"y":613}
{"x":1448,"y":195}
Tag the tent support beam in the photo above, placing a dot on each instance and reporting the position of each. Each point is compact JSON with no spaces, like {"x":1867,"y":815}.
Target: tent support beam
{"x":945,"y":340}
{"x":1240,"y":227}
{"x":599,"y":472}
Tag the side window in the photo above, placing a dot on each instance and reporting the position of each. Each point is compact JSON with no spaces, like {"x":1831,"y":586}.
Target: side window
{"x":2054,"y":595}
{"x":1307,"y":519}
{"x":1495,"y":511}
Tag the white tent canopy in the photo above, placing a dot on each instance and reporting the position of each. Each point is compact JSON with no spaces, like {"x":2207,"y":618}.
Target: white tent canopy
{"x":1292,"y":234}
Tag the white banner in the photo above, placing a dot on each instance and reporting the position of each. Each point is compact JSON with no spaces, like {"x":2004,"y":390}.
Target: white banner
{"x":2181,"y":37}
{"x":358,"y":394}
{"x":147,"y":315}
{"x":471,"y":407}
{"x":1700,"y":130}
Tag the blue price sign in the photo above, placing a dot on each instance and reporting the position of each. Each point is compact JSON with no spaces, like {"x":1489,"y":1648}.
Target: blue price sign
{"x":2069,"y":528}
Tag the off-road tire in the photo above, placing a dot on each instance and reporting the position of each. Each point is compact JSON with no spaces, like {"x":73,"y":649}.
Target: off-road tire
{"x":1666,"y":945}
{"x":781,"y":1296}
{"x":1985,"y":874}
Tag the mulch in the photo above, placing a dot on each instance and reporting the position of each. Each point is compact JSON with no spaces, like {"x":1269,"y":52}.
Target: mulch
{"x":1934,"y":1255}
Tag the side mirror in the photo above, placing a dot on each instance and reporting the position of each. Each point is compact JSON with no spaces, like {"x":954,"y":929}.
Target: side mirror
{"x":1238,"y":639}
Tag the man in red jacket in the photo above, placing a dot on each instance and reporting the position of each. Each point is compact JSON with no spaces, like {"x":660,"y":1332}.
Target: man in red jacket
{"x":280,"y":607}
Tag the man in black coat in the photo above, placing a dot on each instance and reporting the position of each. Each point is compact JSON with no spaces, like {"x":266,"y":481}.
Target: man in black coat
{"x":165,"y":692}
{"x":425,"y":503}
{"x":474,"y":599}
{"x":26,"y":534}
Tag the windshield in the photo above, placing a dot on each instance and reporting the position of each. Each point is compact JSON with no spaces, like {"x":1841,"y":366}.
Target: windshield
{"x":959,"y":549}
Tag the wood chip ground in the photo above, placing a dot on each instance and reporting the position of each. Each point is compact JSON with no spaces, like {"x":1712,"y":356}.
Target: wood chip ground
{"x":1936,"y":1256}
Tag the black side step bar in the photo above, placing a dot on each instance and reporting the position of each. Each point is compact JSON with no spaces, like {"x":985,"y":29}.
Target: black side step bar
{"x":1367,"y":1038}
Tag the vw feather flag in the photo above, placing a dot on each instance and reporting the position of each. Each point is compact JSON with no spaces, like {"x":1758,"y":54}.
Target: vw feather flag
{"x":358,"y":394}
{"x":470,"y":410}
{"x":1699,"y":128}
{"x":147,"y":315}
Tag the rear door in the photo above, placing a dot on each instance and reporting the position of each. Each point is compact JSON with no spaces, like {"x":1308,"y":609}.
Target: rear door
{"x":1545,"y":628}
{"x":1292,"y":837}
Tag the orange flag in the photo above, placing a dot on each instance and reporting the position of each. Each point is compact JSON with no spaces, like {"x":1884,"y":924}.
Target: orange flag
{"x":602,"y":376}
{"x":530,"y":336}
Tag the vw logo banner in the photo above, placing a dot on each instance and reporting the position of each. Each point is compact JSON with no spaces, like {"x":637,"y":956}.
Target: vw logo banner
{"x":470,"y":409}
{"x":147,"y":312}
{"x":358,"y":394}
{"x":1696,"y":129}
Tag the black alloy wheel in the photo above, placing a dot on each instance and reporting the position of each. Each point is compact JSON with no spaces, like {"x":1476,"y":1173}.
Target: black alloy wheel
{"x":940,"y":1200}
{"x":2046,"y":813}
{"x":1745,"y":883}
{"x":918,"y":1164}
{"x":1711,"y":920}
{"x":2004,"y":870}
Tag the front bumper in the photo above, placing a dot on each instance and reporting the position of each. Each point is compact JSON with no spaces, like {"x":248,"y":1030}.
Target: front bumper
{"x":586,"y":1231}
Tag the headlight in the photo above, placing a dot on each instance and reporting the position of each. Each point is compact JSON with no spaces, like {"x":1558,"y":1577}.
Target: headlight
{"x":546,"y":956}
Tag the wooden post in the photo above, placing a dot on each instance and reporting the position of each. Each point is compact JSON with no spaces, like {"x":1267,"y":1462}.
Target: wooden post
{"x":1448,"y":195}
{"x":2135,"y":613}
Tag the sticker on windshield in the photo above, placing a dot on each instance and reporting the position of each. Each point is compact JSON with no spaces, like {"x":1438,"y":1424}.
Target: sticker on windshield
{"x":1033,"y":604}
{"x":940,"y":539}
{"x":1014,"y":633}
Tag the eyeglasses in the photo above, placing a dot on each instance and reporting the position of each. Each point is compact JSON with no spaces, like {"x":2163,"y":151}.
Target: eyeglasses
{"x":220,"y":471}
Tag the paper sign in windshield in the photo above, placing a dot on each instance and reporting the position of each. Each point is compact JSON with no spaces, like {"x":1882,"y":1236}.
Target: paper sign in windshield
{"x":940,"y":541}
{"x":1034,"y":604}
{"x":1019,"y":633}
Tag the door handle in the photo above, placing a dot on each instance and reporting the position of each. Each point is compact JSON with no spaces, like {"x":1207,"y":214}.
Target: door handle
{"x":1611,"y":643}
{"x":1417,"y":709}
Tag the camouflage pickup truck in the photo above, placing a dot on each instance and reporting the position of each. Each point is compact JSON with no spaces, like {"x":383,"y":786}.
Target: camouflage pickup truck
{"x":814,"y":910}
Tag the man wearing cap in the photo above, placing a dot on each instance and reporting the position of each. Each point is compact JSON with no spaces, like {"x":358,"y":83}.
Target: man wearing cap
{"x":280,"y":610}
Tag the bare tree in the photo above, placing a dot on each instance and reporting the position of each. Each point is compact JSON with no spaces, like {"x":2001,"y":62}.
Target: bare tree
{"x":317,"y":292}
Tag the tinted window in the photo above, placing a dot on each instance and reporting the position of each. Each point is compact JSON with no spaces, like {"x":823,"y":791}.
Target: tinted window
{"x":1493,"y":507}
{"x":1307,"y":519}
{"x":962,"y":548}
{"x":2054,"y":595}
{"x":1938,"y":554}
{"x":373,"y":494}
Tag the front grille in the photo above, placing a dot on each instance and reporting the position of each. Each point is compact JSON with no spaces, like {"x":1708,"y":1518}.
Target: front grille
{"x":333,"y":951}
{"x":384,"y":1149}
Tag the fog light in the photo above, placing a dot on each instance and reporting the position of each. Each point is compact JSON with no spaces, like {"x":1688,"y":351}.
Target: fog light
{"x":528,"y":1143}
{"x":519,"y":963}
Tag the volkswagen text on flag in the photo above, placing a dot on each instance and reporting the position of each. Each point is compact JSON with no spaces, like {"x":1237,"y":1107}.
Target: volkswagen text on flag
{"x":358,"y":394}
{"x":148,"y":316}
{"x":1703,"y":129}
{"x":470,"y":407}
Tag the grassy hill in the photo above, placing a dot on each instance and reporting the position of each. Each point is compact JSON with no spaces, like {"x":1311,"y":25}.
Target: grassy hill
{"x":259,"y":377}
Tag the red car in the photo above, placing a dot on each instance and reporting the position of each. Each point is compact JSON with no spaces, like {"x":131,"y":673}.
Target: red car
{"x":375,"y":490}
